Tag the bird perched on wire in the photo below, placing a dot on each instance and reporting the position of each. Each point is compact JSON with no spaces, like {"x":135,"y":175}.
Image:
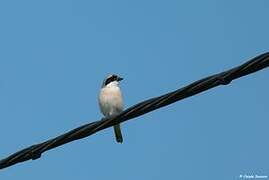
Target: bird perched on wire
{"x":111,"y":102}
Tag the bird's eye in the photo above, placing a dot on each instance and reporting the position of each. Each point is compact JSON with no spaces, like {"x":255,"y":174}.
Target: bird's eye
{"x":110,"y":79}
{"x":114,"y":77}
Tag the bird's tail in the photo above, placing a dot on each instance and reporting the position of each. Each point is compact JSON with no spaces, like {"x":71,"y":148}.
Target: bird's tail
{"x":118,"y":134}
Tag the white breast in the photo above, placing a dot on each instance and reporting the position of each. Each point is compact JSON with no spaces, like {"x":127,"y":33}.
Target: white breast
{"x":110,"y":100}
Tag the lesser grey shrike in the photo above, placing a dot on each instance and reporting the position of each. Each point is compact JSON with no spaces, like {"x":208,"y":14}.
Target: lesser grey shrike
{"x":111,"y":102}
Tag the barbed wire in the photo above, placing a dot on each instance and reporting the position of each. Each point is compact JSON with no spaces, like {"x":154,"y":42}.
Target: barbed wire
{"x":35,"y":151}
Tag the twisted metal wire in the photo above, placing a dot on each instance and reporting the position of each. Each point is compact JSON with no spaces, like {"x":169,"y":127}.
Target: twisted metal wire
{"x":224,"y":78}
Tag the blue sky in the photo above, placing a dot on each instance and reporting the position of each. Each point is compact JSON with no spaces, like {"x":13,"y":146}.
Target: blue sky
{"x":55,"y":54}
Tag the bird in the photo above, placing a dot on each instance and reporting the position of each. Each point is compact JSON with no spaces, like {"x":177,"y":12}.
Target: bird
{"x":111,"y":101}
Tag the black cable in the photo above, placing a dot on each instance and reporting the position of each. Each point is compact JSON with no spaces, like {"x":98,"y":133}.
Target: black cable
{"x":34,"y":152}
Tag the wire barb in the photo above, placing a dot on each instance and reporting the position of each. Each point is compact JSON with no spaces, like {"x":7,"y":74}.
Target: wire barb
{"x":224,"y":78}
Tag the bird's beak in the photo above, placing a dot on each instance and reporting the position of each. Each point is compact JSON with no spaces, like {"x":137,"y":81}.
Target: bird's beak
{"x":120,"y":78}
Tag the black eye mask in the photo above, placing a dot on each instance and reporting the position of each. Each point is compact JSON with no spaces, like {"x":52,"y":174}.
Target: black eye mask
{"x":111,"y":79}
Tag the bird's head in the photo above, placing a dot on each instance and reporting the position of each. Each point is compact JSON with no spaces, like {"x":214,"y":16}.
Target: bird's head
{"x":111,"y":80}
